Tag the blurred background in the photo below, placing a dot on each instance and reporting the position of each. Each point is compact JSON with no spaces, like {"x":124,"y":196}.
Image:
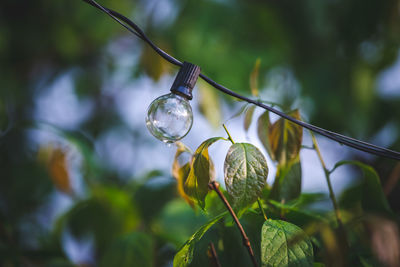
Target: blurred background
{"x":81,"y":178}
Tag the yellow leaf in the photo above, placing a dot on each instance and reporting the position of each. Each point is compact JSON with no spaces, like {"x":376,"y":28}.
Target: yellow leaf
{"x":209,"y":104}
{"x":201,"y":173}
{"x":285,"y":138}
{"x":181,"y":172}
{"x":57,"y":166}
{"x":254,"y":78}
{"x":248,"y":117}
{"x":152,"y":64}
{"x":263,"y":123}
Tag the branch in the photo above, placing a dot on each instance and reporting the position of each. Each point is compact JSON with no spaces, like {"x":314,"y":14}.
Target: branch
{"x":328,"y":180}
{"x":246,"y":242}
{"x":213,"y":256}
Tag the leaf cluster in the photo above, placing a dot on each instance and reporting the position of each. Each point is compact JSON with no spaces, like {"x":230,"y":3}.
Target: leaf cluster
{"x":286,"y":228}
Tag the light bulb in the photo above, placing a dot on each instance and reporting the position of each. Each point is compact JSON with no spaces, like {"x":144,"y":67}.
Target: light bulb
{"x":169,"y":117}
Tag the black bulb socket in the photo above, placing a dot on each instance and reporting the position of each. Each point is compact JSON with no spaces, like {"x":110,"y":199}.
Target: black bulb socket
{"x":186,"y":80}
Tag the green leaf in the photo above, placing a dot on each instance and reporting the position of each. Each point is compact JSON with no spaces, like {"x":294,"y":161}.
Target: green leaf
{"x":185,"y":254}
{"x":350,"y":199}
{"x":152,"y":196}
{"x":373,"y":198}
{"x":201,"y":173}
{"x":287,"y":184}
{"x":209,"y":104}
{"x":109,"y":213}
{"x":285,"y":244}
{"x":177,"y":222}
{"x":135,"y":249}
{"x":248,"y":117}
{"x":246,"y":172}
{"x":283,"y":138}
{"x":297,"y":215}
{"x":59,"y":263}
{"x":214,"y":205}
{"x":307,"y":199}
{"x":230,"y":245}
{"x":365,"y":263}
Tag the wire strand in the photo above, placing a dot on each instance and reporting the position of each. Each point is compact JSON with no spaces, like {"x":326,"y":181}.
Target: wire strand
{"x":345,"y":140}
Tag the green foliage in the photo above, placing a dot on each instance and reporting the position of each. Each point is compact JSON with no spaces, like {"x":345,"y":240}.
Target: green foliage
{"x":151,"y":197}
{"x":287,"y":184}
{"x":320,"y":54}
{"x":135,"y":249}
{"x":285,"y":244}
{"x":282,"y":140}
{"x":246,"y":173}
{"x":298,"y":213}
{"x":106,"y":215}
{"x":370,"y":194}
{"x":231,"y":250}
{"x":59,"y":263}
{"x":177,"y":222}
{"x":185,"y":255}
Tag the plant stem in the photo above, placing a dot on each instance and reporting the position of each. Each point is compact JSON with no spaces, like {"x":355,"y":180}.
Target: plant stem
{"x":392,"y":180}
{"x":227,"y":132}
{"x":328,"y":180}
{"x":307,"y":147}
{"x":261,"y":208}
{"x":246,"y":242}
{"x":213,"y":256}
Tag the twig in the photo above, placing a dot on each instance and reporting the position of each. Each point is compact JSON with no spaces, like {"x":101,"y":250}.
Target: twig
{"x":246,"y":242}
{"x":328,"y":180}
{"x":229,"y":136}
{"x":213,"y":255}
{"x":261,"y":208}
{"x":392,"y":181}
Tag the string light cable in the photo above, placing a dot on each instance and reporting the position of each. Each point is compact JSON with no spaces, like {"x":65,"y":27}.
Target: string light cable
{"x":342,"y":139}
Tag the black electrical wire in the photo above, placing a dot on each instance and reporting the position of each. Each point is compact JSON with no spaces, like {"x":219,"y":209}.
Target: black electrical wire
{"x":345,"y":140}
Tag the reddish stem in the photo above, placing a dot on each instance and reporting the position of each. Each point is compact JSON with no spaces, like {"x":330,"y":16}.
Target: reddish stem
{"x":246,"y":242}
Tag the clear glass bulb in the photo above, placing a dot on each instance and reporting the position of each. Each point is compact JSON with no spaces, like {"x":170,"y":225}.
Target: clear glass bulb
{"x":169,"y":118}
